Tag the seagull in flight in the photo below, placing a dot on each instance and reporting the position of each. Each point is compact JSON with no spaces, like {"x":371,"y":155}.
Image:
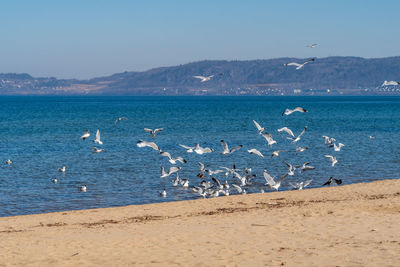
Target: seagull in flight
{"x":200,"y":150}
{"x":337,"y":147}
{"x":312,"y":45}
{"x":332,"y":158}
{"x":189,"y":149}
{"x":97,"y":150}
{"x":97,"y":140}
{"x":307,"y":167}
{"x":328,"y":140}
{"x":333,"y":180}
{"x":171,"y":171}
{"x":204,"y":78}
{"x":269,"y":139}
{"x":153,"y":145}
{"x":295,"y":140}
{"x":301,"y":149}
{"x":153,"y":132}
{"x":371,"y":137}
{"x":300,"y":185}
{"x":239,"y":189}
{"x":270,"y":181}
{"x":287,"y":130}
{"x":226,"y":148}
{"x":290,"y":111}
{"x":256,"y":152}
{"x":259,"y":128}
{"x":276,"y":153}
{"x":292,"y":168}
{"x":171,"y":159}
{"x":85,"y":135}
{"x":386,"y":83}
{"x":298,"y":65}
{"x":120,"y":119}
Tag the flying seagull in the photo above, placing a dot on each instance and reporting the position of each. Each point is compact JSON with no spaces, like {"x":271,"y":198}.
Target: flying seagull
{"x":153,"y":132}
{"x":328,"y":140}
{"x":312,"y":45}
{"x":307,"y":167}
{"x":153,"y":145}
{"x":239,"y":189}
{"x":200,"y":150}
{"x":97,"y":140}
{"x":337,"y":147}
{"x":171,"y":171}
{"x":291,"y":168}
{"x":259,"y":128}
{"x":256,"y":152}
{"x":298,"y":65}
{"x":270,"y":181}
{"x":204,"y":78}
{"x":332,"y":180}
{"x":290,"y":111}
{"x":189,"y":149}
{"x":332,"y":158}
{"x":120,"y":119}
{"x":276,"y":153}
{"x":300,"y":185}
{"x":85,"y":135}
{"x":295,"y":140}
{"x":171,"y":159}
{"x":287,"y":130}
{"x":301,"y":149}
{"x":226,"y":148}
{"x":386,"y":83}
{"x":269,"y":139}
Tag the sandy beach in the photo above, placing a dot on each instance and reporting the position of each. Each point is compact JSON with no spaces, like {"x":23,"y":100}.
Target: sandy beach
{"x":352,"y":225}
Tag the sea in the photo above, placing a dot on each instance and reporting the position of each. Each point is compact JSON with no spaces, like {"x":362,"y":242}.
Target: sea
{"x":40,"y":134}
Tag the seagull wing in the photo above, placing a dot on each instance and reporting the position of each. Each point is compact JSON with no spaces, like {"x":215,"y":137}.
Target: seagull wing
{"x":280,"y":179}
{"x":268,"y":178}
{"x":304,"y":130}
{"x":300,"y":109}
{"x":186,"y":147}
{"x":216,"y":182}
{"x":173,"y":169}
{"x":236,"y":148}
{"x":98,"y":135}
{"x":293,"y":64}
{"x":166,"y":154}
{"x":202,"y":167}
{"x":158,"y":130}
{"x":148,"y":130}
{"x":199,"y":77}
{"x":225,"y":146}
{"x":238,"y":188}
{"x":259,"y":128}
{"x":329,"y":157}
{"x":307,"y":183}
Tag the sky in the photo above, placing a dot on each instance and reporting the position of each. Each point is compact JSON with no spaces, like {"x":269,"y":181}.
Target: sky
{"x":91,"y":38}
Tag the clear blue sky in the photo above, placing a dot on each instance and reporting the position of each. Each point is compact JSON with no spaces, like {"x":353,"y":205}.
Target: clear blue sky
{"x":89,"y":38}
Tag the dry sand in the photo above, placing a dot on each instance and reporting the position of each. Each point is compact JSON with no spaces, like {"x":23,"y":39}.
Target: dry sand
{"x":353,"y":225}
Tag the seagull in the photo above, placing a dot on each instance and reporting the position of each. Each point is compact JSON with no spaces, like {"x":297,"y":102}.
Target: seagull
{"x":171,"y":171}
{"x":8,"y":162}
{"x":171,"y":159}
{"x":83,"y":188}
{"x":259,"y":128}
{"x":163,"y":193}
{"x":226,"y":148}
{"x":54,"y":180}
{"x":177,"y":180}
{"x":287,"y":130}
{"x":97,"y":150}
{"x":153,"y":145}
{"x":386,"y":83}
{"x":300,"y":185}
{"x":269,"y":139}
{"x":312,"y":45}
{"x":328,"y":141}
{"x":332,"y":180}
{"x":276,"y":153}
{"x":306,"y":167}
{"x":239,"y":189}
{"x":120,"y":119}
{"x":256,"y":152}
{"x":62,"y":169}
{"x":85,"y":135}
{"x":290,"y":111}
{"x":332,"y":158}
{"x":270,"y":181}
{"x":210,"y":172}
{"x":97,"y":140}
{"x":200,"y":150}
{"x":202,"y":170}
{"x":295,"y":140}
{"x":291,"y":168}
{"x":217,"y":183}
{"x":189,"y":149}
{"x":298,"y":65}
{"x":229,"y":171}
{"x":300,"y":149}
{"x":371,"y":137}
{"x":204,"y":78}
{"x":202,"y":192}
{"x":185,"y":183}
{"x":153,"y":132}
{"x":337,"y":147}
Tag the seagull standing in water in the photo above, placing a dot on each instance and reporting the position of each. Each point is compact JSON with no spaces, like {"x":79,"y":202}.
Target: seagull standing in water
{"x":270,"y":181}
{"x":226,"y":148}
{"x":290,"y":111}
{"x":97,"y":140}
{"x":203,"y":78}
{"x":85,"y":135}
{"x":153,"y":132}
{"x":298,"y":65}
{"x":259,"y":128}
{"x":332,"y":158}
{"x":163,"y":193}
{"x":62,"y":169}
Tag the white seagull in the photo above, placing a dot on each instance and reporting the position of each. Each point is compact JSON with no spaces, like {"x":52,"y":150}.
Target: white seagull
{"x":292,"y":168}
{"x":200,"y":150}
{"x":295,"y":140}
{"x":290,"y":111}
{"x":270,"y":181}
{"x":386,"y":83}
{"x":239,"y":189}
{"x":97,"y":150}
{"x":307,"y":167}
{"x":62,"y":169}
{"x":189,"y":149}
{"x":259,"y":128}
{"x":312,"y":45}
{"x":120,"y":119}
{"x":203,"y":78}
{"x":298,"y":65}
{"x":163,"y":193}
{"x":226,"y":148}
{"x":328,"y":140}
{"x":276,"y":153}
{"x":287,"y":130}
{"x":54,"y":180}
{"x":337,"y":147}
{"x":256,"y":152}
{"x":300,"y":185}
{"x":269,"y":139}
{"x":83,"y":188}
{"x":171,"y":171}
{"x":171,"y":159}
{"x":301,"y":149}
{"x":97,"y":140}
{"x":85,"y":135}
{"x":153,"y":145}
{"x":332,"y":158}
{"x":153,"y":132}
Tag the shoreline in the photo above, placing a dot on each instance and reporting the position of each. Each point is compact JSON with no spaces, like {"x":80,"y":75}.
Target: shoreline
{"x":353,"y":224}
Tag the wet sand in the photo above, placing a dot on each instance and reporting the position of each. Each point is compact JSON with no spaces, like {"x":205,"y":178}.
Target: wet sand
{"x":352,"y":225}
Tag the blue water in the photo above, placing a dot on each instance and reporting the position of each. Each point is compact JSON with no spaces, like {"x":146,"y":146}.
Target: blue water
{"x":41,"y":134}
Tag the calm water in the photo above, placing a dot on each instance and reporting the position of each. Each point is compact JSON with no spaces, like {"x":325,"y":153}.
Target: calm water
{"x":41,"y":134}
